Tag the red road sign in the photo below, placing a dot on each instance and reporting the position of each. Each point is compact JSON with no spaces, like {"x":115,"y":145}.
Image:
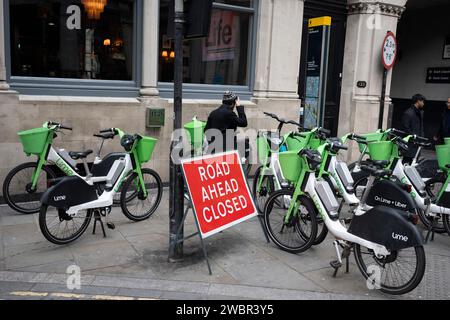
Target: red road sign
{"x":389,"y":51}
{"x":219,"y":192}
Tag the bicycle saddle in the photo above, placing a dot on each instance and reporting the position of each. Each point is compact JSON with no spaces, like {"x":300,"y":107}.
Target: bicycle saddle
{"x":377,"y":172}
{"x":105,"y":135}
{"x":378,"y":163}
{"x":80,"y":154}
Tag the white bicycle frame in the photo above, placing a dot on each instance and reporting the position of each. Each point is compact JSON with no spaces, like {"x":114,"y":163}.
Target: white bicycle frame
{"x":106,"y":199}
{"x":335,"y":227}
{"x":349,"y":198}
{"x":399,"y":172}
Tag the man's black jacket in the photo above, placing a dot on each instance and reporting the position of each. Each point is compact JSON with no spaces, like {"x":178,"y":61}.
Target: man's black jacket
{"x":412,"y":123}
{"x":225,"y":119}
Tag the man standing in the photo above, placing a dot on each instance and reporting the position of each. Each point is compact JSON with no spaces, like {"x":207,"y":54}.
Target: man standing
{"x":227,"y":121}
{"x":412,"y":123}
{"x":444,"y":130}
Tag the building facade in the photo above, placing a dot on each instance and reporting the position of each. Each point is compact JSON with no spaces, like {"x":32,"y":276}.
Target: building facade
{"x":95,"y":64}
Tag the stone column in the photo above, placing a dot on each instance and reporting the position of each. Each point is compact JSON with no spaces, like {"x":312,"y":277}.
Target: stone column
{"x":150,"y":41}
{"x":367,"y":24}
{"x":278,"y":49}
{"x":4,"y":87}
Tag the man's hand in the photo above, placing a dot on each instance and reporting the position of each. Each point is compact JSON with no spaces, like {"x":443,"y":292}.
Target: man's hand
{"x":238,"y":102}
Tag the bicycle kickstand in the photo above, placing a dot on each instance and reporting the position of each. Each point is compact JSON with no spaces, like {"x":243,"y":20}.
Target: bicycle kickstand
{"x":431,"y":231}
{"x":98,"y":218}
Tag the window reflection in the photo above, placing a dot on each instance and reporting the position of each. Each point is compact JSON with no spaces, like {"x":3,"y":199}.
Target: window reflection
{"x":87,"y":39}
{"x":221,"y":59}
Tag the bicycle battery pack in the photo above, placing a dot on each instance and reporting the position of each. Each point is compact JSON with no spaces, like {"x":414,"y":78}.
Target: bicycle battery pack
{"x":69,"y":192}
{"x":390,"y":194}
{"x":328,"y":199}
{"x":115,"y":173}
{"x":345,"y":176}
{"x":386,"y":226}
{"x":415,"y":178}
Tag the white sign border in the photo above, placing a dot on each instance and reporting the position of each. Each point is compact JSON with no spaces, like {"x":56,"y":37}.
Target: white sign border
{"x":229,"y":225}
{"x":386,"y":66}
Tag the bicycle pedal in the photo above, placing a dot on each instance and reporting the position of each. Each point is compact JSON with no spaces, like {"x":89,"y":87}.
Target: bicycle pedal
{"x":336,"y":264}
{"x":111,"y":226}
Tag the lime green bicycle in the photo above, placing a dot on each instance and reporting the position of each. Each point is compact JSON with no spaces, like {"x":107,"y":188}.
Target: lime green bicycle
{"x":25,"y":184}
{"x":68,"y":206}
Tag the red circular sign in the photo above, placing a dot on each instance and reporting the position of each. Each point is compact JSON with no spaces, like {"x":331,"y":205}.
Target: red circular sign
{"x":389,"y":50}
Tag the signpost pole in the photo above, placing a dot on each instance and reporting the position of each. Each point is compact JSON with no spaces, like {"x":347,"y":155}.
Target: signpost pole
{"x":383,"y":99}
{"x":176,"y":203}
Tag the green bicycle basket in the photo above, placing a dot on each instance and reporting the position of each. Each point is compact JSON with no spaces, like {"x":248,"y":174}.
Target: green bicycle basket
{"x":370,"y":137}
{"x":196,"y":132}
{"x":291,"y":165}
{"x":443,"y":156}
{"x":34,"y":140}
{"x":298,"y":143}
{"x":145,"y":148}
{"x":447,"y":141}
{"x":381,"y":150}
{"x":263,"y":149}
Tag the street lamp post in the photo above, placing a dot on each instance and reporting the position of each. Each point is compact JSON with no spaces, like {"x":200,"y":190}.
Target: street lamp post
{"x":176,"y":205}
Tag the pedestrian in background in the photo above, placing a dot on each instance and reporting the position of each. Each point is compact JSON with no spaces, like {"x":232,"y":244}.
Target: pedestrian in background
{"x":444,"y":129}
{"x":412,"y":123}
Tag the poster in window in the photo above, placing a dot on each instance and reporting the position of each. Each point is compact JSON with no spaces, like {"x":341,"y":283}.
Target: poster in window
{"x":447,"y":48}
{"x":221,"y":42}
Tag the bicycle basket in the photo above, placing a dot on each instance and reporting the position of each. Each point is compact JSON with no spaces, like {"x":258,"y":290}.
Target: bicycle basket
{"x":370,"y":137}
{"x":34,"y":140}
{"x":296,"y":143}
{"x":291,"y":165}
{"x":447,"y":141}
{"x":196,"y":132}
{"x":145,"y":148}
{"x":381,"y":150}
{"x":263,"y":149}
{"x":443,"y":156}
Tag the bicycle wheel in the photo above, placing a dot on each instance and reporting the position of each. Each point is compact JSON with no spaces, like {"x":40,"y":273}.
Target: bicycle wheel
{"x":427,"y":221}
{"x":60,"y":228}
{"x":299,"y":234}
{"x":446,"y":222}
{"x":117,"y":196}
{"x":434,"y":185}
{"x":17,"y":190}
{"x":398,"y":273}
{"x":322,"y":231}
{"x":267,"y":187}
{"x":135,"y":206}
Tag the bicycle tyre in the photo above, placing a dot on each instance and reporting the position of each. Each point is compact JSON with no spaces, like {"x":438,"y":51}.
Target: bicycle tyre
{"x":410,"y":285}
{"x":311,"y":215}
{"x":446,"y":221}
{"x":125,"y":201}
{"x":56,"y":240}
{"x":257,"y":195}
{"x":9,"y":199}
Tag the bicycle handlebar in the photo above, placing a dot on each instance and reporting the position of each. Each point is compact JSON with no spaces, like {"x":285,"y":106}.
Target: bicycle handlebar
{"x":60,"y":126}
{"x":107,"y":130}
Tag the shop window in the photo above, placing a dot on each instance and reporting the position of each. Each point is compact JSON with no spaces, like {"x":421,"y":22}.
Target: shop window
{"x":220,"y":59}
{"x":72,"y":39}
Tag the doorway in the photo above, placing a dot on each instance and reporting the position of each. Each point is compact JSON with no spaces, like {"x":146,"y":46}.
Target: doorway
{"x":337,"y":10}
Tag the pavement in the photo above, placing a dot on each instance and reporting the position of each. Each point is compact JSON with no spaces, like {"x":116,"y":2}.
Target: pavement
{"x":132,"y":263}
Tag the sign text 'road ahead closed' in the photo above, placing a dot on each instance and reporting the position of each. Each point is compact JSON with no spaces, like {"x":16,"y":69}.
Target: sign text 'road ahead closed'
{"x":219,"y":192}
